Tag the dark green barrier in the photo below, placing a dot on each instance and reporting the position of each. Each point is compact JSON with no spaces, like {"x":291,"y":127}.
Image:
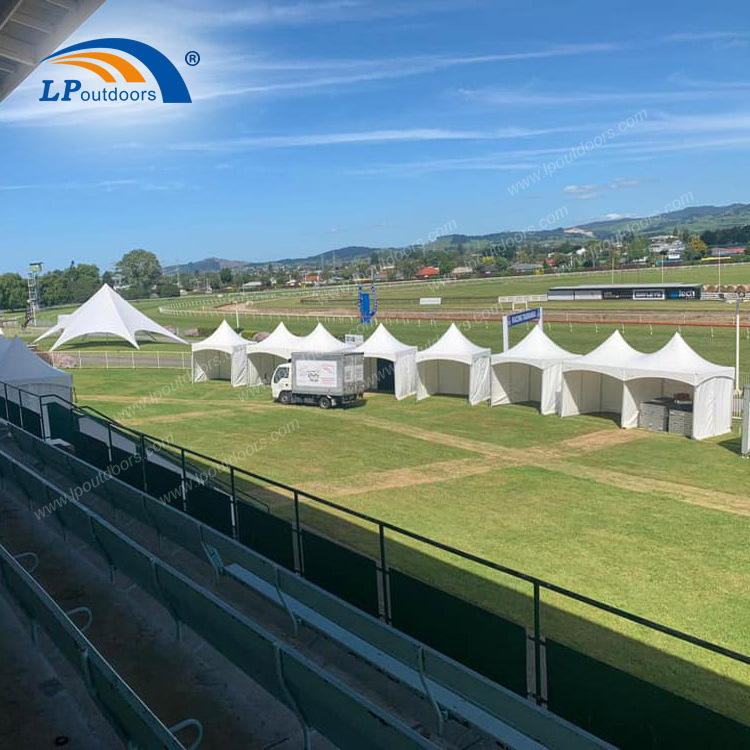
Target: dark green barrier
{"x":61,"y":421}
{"x":265,"y":533}
{"x":210,"y":507}
{"x":629,"y":712}
{"x":91,"y":450}
{"x":14,"y":412}
{"x":32,"y":422}
{"x":347,"y":574}
{"x":127,"y":467}
{"x":164,"y":484}
{"x":491,"y":645}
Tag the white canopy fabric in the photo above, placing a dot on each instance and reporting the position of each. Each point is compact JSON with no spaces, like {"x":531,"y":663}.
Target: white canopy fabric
{"x":382,"y":344}
{"x":222,"y":356}
{"x":529,"y":371}
{"x":594,"y":382}
{"x":454,"y":366}
{"x":321,"y":340}
{"x":21,"y":368}
{"x":265,"y":356}
{"x":107,"y":313}
{"x":678,"y":368}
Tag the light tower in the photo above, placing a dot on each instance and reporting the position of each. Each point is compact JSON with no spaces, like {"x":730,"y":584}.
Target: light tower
{"x":31,"y":304}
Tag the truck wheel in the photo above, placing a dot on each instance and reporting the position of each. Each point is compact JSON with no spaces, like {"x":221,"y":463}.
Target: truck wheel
{"x":285,"y":398}
{"x":324,"y":402}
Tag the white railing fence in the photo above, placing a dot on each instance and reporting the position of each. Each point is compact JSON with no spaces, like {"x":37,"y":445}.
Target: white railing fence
{"x":131,"y":360}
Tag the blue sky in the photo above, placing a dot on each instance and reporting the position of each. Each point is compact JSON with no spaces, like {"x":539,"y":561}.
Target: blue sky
{"x":323,"y":124}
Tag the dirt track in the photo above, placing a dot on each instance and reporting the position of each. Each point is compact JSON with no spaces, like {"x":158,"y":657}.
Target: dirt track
{"x":628,"y":316}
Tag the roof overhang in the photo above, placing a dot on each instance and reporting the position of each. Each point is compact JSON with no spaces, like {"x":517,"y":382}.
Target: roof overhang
{"x":32,"y":29}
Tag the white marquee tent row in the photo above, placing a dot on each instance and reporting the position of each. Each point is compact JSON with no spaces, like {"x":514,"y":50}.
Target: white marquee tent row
{"x":614,"y":377}
{"x":617,"y":378}
{"x":245,"y":362}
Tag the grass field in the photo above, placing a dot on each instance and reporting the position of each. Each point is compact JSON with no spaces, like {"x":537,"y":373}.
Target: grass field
{"x":652,"y":523}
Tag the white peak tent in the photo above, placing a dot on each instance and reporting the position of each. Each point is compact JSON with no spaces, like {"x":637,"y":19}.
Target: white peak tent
{"x":222,"y":356}
{"x":106,"y":313}
{"x":529,"y":371}
{"x":616,"y":378}
{"x":677,"y":368}
{"x":454,"y":366}
{"x":594,"y":382}
{"x":265,"y":356}
{"x":321,"y":340}
{"x":390,"y":365}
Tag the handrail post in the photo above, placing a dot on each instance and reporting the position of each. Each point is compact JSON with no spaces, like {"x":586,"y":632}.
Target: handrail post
{"x":41,"y":419}
{"x":234,"y":514}
{"x":300,"y":562}
{"x":143,"y":463}
{"x":184,"y":480}
{"x":7,"y":409}
{"x":537,"y":646}
{"x":110,"y":445}
{"x":20,"y":407}
{"x":385,"y":583}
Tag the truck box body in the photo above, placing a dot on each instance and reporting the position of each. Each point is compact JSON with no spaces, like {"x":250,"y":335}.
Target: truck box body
{"x":331,"y":374}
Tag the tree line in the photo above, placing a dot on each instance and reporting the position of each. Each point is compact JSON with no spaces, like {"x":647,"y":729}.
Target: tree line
{"x":138,"y":273}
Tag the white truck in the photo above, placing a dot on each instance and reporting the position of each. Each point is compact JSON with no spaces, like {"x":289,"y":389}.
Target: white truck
{"x":324,"y":379}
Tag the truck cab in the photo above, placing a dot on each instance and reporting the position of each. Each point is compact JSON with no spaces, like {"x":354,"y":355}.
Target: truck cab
{"x":281,"y":384}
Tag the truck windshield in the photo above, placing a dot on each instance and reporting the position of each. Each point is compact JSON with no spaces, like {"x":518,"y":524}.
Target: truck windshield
{"x":281,"y":373}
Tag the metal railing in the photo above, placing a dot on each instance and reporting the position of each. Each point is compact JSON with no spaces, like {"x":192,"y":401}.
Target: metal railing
{"x":290,"y":502}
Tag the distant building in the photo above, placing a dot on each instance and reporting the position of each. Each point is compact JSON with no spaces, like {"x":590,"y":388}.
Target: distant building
{"x":462,"y":271}
{"x":726,"y":252}
{"x":525,"y":267}
{"x":250,"y":285}
{"x":313,"y":278}
{"x":428,"y":272}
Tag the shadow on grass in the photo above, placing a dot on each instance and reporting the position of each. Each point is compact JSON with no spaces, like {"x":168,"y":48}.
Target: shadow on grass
{"x":733,"y":444}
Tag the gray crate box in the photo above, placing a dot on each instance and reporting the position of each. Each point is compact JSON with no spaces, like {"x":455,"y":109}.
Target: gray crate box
{"x":681,"y":422}
{"x":653,"y":416}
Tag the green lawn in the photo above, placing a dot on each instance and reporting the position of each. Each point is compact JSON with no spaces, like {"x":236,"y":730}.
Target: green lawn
{"x":648,"y":551}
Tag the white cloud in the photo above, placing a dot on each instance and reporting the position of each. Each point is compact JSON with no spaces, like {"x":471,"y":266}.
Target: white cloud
{"x":394,"y":135}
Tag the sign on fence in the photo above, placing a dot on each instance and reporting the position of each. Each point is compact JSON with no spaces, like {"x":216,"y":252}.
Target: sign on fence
{"x":430,"y":300}
{"x":514,"y":319}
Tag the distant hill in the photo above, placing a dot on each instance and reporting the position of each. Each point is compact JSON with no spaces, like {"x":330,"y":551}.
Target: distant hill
{"x":695,"y":219}
{"x":207,"y":264}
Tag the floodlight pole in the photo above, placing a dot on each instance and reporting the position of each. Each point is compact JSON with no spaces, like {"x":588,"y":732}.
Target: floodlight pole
{"x":737,"y":343}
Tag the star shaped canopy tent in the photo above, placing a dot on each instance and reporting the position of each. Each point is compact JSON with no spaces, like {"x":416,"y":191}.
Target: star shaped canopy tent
{"x":107,"y":313}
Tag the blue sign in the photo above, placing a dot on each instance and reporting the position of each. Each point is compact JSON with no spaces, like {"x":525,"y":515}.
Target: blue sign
{"x":526,"y":316}
{"x":368,"y":305}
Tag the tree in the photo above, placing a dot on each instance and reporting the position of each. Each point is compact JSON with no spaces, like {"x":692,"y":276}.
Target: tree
{"x":140,"y":268}
{"x":225,"y":275}
{"x":13,"y":291}
{"x":374,"y":259}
